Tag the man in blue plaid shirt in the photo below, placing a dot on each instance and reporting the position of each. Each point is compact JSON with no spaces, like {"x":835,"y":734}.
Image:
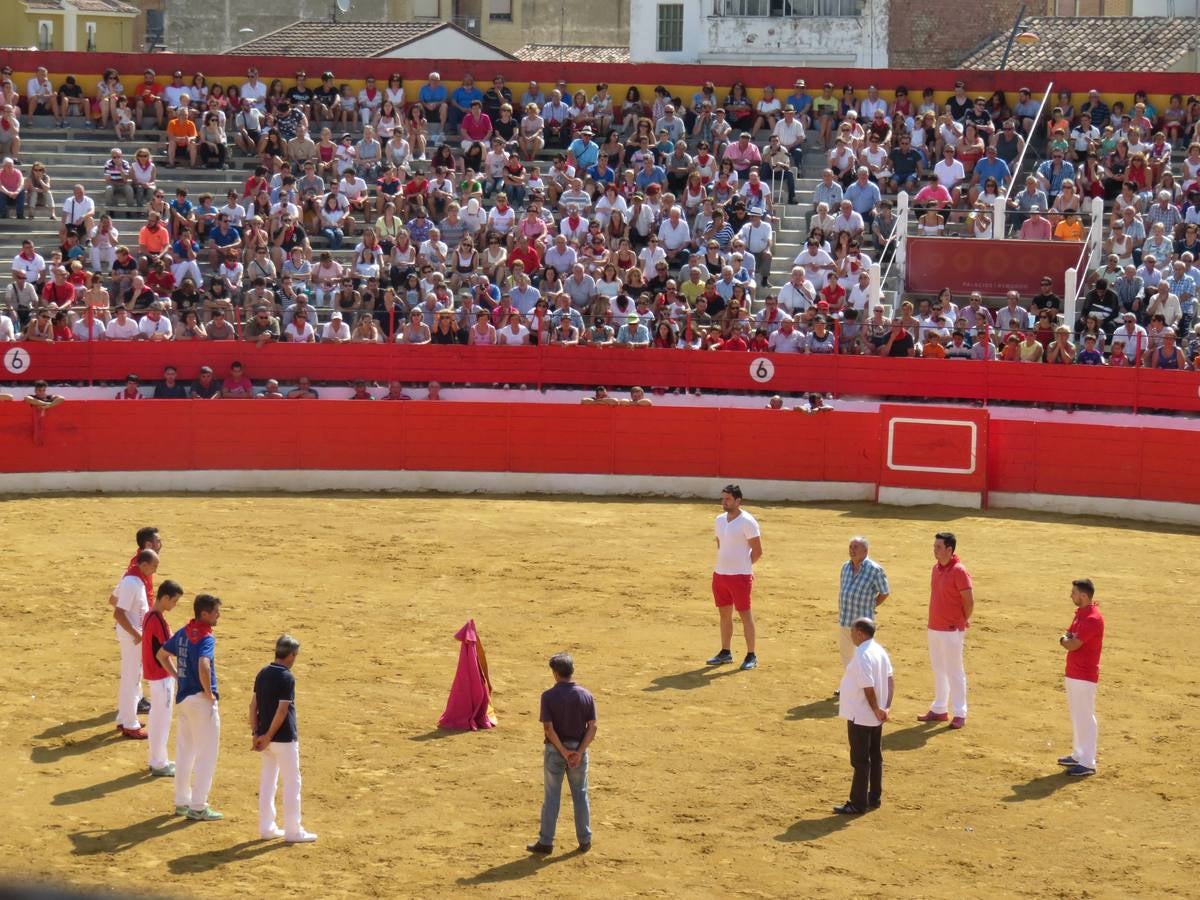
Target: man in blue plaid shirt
{"x":863,"y":587}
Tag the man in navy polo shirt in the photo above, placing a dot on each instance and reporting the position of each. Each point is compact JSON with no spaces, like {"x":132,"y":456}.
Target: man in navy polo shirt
{"x":568,"y":717}
{"x":190,"y":658}
{"x":221,"y":239}
{"x":276,"y":736}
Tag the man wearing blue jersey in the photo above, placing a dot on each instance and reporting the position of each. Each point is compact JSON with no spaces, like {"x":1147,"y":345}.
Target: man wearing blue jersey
{"x":190,"y":658}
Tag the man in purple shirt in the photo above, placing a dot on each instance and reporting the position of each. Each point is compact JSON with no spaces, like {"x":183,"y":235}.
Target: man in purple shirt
{"x":568,"y":717}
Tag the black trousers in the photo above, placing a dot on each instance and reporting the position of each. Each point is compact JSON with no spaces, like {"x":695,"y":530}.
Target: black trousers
{"x":866,"y":756}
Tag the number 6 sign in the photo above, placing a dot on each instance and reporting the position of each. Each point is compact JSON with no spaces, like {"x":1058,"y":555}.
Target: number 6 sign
{"x":762,"y":369}
{"x":17,"y":361}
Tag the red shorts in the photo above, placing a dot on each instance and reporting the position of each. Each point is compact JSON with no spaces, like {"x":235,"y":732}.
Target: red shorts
{"x":732,"y":590}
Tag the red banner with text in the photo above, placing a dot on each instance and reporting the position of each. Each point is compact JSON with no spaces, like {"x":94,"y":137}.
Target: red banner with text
{"x":991,"y":267}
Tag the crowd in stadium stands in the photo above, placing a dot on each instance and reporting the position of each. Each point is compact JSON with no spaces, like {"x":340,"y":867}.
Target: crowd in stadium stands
{"x":654,"y":226}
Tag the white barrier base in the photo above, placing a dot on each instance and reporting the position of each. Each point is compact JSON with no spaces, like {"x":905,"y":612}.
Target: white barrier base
{"x":310,"y":481}
{"x":1115,"y":507}
{"x":898,"y":496}
{"x":307,"y":481}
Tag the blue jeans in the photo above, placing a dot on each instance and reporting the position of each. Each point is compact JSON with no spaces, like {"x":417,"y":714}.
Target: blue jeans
{"x":555,"y":766}
{"x":18,"y":204}
{"x":334,"y":236}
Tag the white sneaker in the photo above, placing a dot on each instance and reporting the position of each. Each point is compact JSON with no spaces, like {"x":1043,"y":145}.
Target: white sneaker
{"x":304,"y":837}
{"x":270,"y":835}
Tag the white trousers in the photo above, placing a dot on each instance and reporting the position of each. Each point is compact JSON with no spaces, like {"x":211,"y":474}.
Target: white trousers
{"x":186,"y":269}
{"x":162,"y":703}
{"x":197,"y":737}
{"x":1081,"y":701}
{"x":105,"y":255}
{"x":280,"y":758}
{"x":129,"y":693}
{"x":845,"y":645}
{"x":949,"y":677}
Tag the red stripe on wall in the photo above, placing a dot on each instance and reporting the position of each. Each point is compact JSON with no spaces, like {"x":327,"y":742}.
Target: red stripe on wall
{"x":644,"y":74}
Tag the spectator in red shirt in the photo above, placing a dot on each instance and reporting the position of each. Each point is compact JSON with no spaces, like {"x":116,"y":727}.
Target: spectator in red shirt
{"x":1083,"y":642}
{"x":237,"y":386}
{"x":59,"y":293}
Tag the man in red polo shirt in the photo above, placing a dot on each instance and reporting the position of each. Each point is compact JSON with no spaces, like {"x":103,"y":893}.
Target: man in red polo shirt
{"x":951,"y":602}
{"x":1083,"y":642}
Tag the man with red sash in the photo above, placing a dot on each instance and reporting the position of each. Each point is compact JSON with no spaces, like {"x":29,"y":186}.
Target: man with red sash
{"x":147,"y":539}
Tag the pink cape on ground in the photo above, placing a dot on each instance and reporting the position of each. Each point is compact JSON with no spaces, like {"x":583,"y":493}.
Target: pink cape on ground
{"x":469,"y":707}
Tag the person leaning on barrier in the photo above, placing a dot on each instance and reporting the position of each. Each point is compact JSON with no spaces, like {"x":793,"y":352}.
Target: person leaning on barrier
{"x":600,"y":396}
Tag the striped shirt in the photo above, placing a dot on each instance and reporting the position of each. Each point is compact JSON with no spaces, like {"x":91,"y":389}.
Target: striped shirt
{"x":858,"y":591}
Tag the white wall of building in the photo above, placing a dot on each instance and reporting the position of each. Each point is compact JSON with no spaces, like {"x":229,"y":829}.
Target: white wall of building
{"x":444,"y":44}
{"x":760,"y":40}
{"x":1166,"y":7}
{"x":643,"y":32}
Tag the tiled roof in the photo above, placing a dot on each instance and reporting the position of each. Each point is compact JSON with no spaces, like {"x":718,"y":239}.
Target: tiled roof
{"x":109,"y":6}
{"x":361,"y":39}
{"x":1111,"y":43}
{"x":572,"y":53}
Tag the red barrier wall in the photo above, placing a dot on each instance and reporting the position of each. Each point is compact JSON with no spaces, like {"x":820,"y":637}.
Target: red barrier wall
{"x":223,"y":68}
{"x":858,"y":376}
{"x":991,"y":267}
{"x":483,"y":437}
{"x":1015,"y":456}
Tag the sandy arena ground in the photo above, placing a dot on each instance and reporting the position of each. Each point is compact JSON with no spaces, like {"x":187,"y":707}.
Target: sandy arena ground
{"x":704,"y":782}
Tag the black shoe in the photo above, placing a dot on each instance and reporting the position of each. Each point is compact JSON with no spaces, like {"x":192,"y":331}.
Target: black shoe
{"x":721,"y":658}
{"x":848,"y":809}
{"x":750,"y":662}
{"x":538,"y":847}
{"x":584,"y":848}
{"x":143,"y":706}
{"x":874,"y":804}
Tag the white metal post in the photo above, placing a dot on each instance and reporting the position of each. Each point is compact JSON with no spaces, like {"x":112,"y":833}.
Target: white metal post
{"x":1096,"y":232}
{"x":902,"y":237}
{"x":1070,"y":288}
{"x":998,"y":209}
{"x":874,"y":290}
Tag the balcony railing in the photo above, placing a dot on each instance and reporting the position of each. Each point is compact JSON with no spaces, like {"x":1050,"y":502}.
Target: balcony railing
{"x":788,"y":8}
{"x":467,"y":23}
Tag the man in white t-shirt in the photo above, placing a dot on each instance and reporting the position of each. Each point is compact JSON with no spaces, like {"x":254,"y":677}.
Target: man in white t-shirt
{"x":132,"y":606}
{"x":787,"y":339}
{"x":950,"y":173}
{"x":254,"y":90}
{"x":863,"y":701}
{"x":335,"y":331}
{"x":798,"y":294}
{"x":122,"y":327}
{"x":739,"y":546}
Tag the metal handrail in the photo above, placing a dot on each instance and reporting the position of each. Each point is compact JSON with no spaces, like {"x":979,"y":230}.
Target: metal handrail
{"x":894,"y":236}
{"x":1016,"y":169}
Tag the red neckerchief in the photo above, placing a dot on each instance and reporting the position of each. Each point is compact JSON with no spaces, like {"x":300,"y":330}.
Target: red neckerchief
{"x":147,"y":580}
{"x":197,"y":631}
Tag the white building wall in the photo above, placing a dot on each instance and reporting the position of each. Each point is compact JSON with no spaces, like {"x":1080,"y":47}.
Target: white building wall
{"x":1189,"y":8}
{"x":859,"y":41}
{"x":643,"y":33}
{"x":444,"y":44}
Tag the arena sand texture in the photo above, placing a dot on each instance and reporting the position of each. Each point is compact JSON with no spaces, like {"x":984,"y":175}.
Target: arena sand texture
{"x":704,"y":782}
